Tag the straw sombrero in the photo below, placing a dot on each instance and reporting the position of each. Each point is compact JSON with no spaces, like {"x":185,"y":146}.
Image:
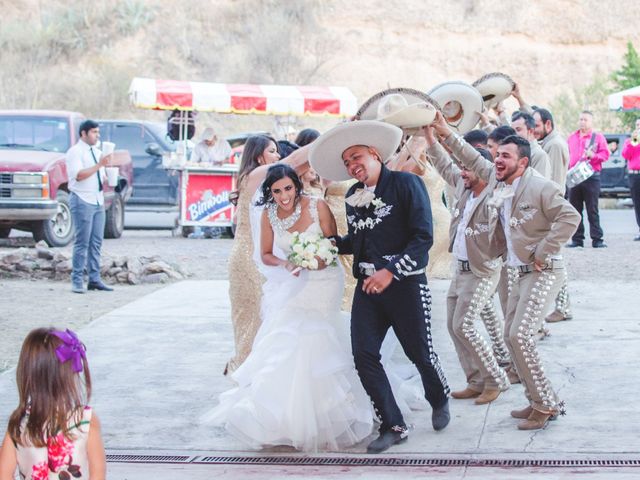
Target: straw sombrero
{"x":325,"y":154}
{"x":403,"y":107}
{"x":460,"y":104}
{"x":494,"y":87}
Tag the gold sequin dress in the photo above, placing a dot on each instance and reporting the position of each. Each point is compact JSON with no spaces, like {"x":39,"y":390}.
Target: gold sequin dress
{"x":439,"y":256}
{"x":245,"y":285}
{"x":334,"y":196}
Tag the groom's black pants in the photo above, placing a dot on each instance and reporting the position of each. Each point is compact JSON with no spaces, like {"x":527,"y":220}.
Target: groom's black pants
{"x":404,"y":306}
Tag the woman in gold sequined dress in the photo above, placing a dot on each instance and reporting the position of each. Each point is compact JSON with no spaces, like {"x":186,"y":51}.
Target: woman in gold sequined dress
{"x":245,"y":281}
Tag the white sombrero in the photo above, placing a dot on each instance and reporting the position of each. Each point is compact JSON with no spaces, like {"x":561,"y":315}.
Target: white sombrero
{"x":403,"y":107}
{"x":460,"y":104}
{"x":494,"y":87}
{"x":325,"y":154}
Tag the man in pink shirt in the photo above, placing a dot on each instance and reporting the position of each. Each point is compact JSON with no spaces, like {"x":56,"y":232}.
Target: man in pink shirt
{"x":585,"y":145}
{"x":631,"y":153}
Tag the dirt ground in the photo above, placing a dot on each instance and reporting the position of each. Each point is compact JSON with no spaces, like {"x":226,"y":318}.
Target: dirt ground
{"x":26,"y":304}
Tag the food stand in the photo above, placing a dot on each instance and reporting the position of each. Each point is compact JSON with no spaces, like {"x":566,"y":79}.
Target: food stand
{"x":204,"y":190}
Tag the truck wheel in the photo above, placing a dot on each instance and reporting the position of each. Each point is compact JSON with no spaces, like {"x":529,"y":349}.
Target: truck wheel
{"x":186,"y":231}
{"x":58,"y":231}
{"x":231,"y":231}
{"x":4,"y":232}
{"x":114,"y":222}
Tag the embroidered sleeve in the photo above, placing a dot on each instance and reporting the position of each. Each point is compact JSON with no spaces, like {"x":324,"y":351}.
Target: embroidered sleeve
{"x":415,"y":255}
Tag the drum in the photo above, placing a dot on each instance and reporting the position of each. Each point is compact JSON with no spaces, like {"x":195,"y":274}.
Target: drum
{"x":579,"y":173}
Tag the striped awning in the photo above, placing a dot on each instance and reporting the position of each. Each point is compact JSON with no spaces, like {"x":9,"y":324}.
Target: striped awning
{"x":625,"y":100}
{"x":244,"y":99}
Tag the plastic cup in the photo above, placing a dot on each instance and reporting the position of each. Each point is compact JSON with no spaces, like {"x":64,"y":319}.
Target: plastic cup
{"x":108,"y":148}
{"x":112,"y":175}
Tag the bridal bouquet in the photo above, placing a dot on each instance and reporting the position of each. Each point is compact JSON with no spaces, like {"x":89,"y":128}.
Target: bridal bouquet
{"x":306,"y":246}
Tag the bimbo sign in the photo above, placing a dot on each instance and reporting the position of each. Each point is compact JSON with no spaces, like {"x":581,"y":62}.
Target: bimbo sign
{"x":207,"y":198}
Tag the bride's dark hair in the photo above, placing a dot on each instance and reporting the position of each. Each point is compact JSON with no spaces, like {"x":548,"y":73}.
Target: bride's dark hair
{"x":275,"y":173}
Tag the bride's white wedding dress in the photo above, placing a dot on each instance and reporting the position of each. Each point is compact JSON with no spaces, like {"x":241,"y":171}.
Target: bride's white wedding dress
{"x":298,"y":387}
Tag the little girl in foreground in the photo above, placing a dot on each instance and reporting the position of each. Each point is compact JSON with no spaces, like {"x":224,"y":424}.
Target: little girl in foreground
{"x":53,"y":433}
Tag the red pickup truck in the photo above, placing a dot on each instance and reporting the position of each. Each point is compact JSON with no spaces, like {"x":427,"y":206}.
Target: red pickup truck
{"x":34,"y":193}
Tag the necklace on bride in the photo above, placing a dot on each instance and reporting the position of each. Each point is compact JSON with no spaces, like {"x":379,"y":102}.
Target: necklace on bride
{"x":284,"y":224}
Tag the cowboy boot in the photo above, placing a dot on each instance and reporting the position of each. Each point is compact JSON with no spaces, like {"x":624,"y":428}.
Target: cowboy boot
{"x":535,"y":421}
{"x":522,"y":414}
{"x":487,"y":396}
{"x":525,"y":412}
{"x":465,"y":394}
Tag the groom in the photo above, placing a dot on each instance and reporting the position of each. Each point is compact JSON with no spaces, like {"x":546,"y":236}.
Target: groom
{"x":390,"y":233}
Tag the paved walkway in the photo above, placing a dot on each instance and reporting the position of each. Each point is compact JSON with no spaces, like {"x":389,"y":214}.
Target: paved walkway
{"x":157,"y":366}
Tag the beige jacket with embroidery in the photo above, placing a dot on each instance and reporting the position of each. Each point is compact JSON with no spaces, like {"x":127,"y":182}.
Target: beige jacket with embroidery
{"x":541,"y":219}
{"x":540,"y":160}
{"x":558,"y":151}
{"x":484,"y":253}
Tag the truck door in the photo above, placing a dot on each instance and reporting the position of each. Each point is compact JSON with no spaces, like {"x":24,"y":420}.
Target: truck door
{"x":151,"y":183}
{"x":614,"y":170}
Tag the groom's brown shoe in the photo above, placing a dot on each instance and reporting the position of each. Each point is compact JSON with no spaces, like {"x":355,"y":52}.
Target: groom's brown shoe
{"x":465,"y":394}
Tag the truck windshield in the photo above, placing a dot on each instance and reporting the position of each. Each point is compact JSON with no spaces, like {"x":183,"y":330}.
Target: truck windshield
{"x":160,"y":131}
{"x":34,"y":133}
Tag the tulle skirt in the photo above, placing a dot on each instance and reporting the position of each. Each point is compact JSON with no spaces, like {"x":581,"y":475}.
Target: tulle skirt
{"x":298,"y":387}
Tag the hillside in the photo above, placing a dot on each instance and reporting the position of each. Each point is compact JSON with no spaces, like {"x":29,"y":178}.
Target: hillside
{"x":81,"y":55}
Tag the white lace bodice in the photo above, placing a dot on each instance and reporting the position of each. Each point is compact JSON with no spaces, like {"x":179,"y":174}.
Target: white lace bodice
{"x":281,"y":237}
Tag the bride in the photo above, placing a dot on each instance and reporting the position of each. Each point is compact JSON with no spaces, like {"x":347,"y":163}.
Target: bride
{"x":298,"y":387}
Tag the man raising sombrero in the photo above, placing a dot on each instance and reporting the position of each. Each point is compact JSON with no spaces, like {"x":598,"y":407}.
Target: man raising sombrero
{"x":390,"y":233}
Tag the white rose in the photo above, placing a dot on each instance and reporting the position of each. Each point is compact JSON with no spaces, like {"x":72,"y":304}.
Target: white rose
{"x":323,"y":252}
{"x":307,"y":255}
{"x":313,"y":264}
{"x":297,"y":248}
{"x":304,"y":264}
{"x":313,"y":248}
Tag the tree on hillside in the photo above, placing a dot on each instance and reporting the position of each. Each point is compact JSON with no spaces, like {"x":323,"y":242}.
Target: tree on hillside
{"x":567,"y":106}
{"x":628,"y":76}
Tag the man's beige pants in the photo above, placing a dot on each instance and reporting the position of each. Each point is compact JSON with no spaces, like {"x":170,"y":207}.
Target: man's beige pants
{"x":467,"y":296}
{"x":529,"y":295}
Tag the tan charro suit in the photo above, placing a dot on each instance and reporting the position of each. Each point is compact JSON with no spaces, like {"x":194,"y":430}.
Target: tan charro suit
{"x":540,"y":163}
{"x":474,"y":281}
{"x":541,"y":221}
{"x":540,"y":160}
{"x":558,"y":151}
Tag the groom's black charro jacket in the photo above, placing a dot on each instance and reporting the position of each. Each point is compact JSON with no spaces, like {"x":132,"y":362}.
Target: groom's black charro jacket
{"x":395,"y":231}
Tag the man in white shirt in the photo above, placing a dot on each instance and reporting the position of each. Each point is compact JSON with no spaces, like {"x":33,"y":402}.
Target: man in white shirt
{"x":211,"y":150}
{"x":85,"y":171}
{"x":478,"y":264}
{"x":540,"y":220}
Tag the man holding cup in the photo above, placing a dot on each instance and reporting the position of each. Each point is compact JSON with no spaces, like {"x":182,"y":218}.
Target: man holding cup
{"x":86,"y":174}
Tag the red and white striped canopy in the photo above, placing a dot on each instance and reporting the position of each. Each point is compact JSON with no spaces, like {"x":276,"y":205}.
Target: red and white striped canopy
{"x":238,"y":98}
{"x":625,"y":100}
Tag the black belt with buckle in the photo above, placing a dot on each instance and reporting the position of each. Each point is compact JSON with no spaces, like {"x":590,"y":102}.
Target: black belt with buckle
{"x":525,"y":269}
{"x":464,"y":265}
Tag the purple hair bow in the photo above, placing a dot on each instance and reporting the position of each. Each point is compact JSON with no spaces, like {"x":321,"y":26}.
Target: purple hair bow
{"x":71,"y":349}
